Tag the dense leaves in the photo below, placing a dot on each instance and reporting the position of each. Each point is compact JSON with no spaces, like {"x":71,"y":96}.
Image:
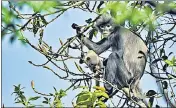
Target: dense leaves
{"x":91,"y":99}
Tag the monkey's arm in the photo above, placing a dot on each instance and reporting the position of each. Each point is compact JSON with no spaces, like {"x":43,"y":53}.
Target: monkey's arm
{"x":119,"y":48}
{"x":98,"y":47}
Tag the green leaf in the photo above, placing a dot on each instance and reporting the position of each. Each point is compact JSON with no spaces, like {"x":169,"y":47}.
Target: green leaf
{"x":84,"y":98}
{"x":17,"y":88}
{"x":173,"y":60}
{"x":45,"y":102}
{"x":51,"y":94}
{"x":55,"y":89}
{"x":42,"y":5}
{"x":94,"y":98}
{"x":47,"y":67}
{"x":100,"y":93}
{"x":99,"y":88}
{"x":168,"y":62}
{"x":172,"y":5}
{"x":101,"y":104}
{"x":21,"y":38}
{"x":148,"y":11}
{"x":33,"y":98}
{"x":57,"y":103}
{"x":103,"y":10}
{"x":95,"y":33}
{"x":92,"y":33}
{"x":99,"y":10}
{"x":7,"y":15}
{"x":150,"y":103}
{"x":22,"y":97}
{"x":62,"y":93}
{"x":113,"y":13}
{"x":46,"y":98}
{"x":137,"y":17}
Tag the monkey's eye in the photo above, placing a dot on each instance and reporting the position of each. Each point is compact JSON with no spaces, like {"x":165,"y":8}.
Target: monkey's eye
{"x":101,"y":27}
{"x":108,"y":26}
{"x":88,"y":58}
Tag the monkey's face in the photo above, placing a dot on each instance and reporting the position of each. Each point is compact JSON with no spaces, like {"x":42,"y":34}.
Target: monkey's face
{"x":92,"y":59}
{"x":106,"y":29}
{"x":93,"y":63}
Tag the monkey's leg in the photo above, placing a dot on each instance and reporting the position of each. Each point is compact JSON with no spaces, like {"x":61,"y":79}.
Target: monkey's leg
{"x":109,"y":76}
{"x":122,"y":75}
{"x":116,"y":73}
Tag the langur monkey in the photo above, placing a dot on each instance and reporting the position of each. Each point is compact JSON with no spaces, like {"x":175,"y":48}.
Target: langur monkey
{"x":125,"y":65}
{"x":95,"y":64}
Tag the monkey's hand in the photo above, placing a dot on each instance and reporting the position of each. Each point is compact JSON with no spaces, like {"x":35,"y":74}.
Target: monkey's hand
{"x":78,"y":31}
{"x":80,"y":36}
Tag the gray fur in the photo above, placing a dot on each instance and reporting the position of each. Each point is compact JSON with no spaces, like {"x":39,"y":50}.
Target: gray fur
{"x":103,"y":20}
{"x":125,"y":64}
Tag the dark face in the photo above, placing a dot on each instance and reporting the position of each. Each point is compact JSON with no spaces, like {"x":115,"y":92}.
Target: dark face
{"x":106,"y":25}
{"x":106,"y":29}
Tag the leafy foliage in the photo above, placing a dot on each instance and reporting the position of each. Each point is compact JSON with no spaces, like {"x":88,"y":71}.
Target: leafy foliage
{"x":122,"y":11}
{"x":91,"y":99}
{"x":22,"y":99}
{"x":27,"y":102}
{"x":137,"y":16}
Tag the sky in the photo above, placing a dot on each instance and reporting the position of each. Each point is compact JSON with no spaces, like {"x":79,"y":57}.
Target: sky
{"x":16,"y":69}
